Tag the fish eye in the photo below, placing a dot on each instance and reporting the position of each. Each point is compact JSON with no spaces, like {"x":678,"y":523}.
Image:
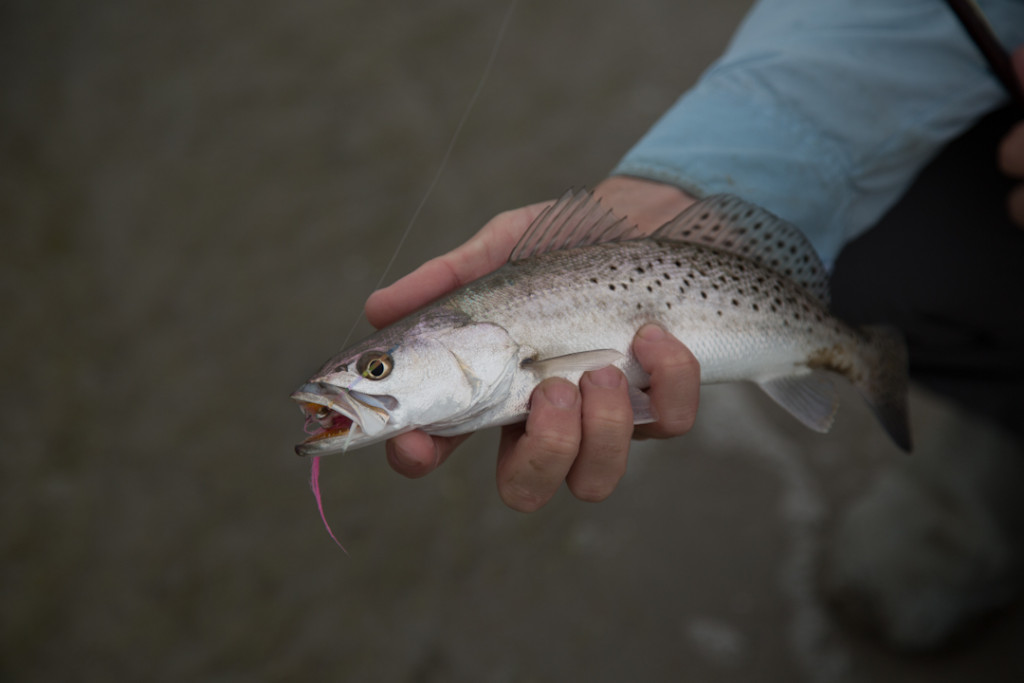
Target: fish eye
{"x":375,"y":365}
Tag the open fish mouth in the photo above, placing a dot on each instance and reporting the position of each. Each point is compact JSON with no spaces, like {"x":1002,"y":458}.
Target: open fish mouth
{"x":334,"y":416}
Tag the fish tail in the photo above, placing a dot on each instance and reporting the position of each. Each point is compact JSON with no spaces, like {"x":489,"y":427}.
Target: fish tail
{"x":884,"y":381}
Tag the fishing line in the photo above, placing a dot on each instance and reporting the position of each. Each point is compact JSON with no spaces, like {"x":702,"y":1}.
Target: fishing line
{"x":314,"y":479}
{"x":447,"y":154}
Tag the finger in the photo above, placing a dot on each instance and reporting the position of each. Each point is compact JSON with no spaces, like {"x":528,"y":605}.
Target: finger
{"x":534,"y":459}
{"x":1011,"y":152}
{"x":607,"y":430}
{"x":675,"y":382}
{"x":1016,"y":205}
{"x":484,"y":252}
{"x":428,"y":282}
{"x":417,"y":453}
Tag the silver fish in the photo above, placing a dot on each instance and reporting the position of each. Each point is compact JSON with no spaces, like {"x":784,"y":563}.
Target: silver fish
{"x":743,"y":289}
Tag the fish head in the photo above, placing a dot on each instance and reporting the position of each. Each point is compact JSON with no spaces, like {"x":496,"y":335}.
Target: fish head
{"x":428,"y":374}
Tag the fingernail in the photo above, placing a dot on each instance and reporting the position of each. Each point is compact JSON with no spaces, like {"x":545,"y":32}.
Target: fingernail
{"x":652,"y":333}
{"x":608,"y":377}
{"x":560,"y":394}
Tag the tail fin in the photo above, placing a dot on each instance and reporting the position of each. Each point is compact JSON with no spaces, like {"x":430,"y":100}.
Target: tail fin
{"x":884,"y":382}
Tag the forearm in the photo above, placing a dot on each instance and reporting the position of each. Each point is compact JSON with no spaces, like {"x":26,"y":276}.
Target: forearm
{"x":824,"y":111}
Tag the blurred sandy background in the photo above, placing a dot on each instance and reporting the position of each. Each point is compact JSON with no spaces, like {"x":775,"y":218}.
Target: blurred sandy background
{"x":195,"y":200}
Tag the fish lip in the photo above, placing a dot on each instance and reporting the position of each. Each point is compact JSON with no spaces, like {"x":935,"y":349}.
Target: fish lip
{"x":353,"y":405}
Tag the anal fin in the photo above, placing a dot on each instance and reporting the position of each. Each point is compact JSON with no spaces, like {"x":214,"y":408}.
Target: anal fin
{"x":811,"y":398}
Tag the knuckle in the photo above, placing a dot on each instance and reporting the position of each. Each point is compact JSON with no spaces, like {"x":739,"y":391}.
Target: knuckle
{"x":553,"y":443}
{"x":608,"y":419}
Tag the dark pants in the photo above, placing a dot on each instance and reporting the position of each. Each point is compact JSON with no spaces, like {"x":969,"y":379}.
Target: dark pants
{"x":946,"y":265}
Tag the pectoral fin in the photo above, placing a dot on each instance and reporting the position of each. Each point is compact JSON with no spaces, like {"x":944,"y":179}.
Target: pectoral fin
{"x":810,"y":398}
{"x":643,"y":411}
{"x":573,"y":362}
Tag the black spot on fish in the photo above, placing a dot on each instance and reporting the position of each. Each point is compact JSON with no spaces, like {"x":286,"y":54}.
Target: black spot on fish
{"x":623,"y":285}
{"x":755,"y":307}
{"x":639,"y":306}
{"x":666,"y":276}
{"x":613,"y":267}
{"x":735,"y":302}
{"x":611,"y":287}
{"x":757,"y":225}
{"x":658,"y":282}
{"x":650,"y":289}
{"x":704,"y":295}
{"x":594,"y":280}
{"x":668,"y":304}
{"x":640,"y":270}
{"x":679,"y":264}
{"x":719,"y":313}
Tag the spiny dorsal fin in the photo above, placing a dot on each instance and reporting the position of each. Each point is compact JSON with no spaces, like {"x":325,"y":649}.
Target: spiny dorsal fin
{"x":577,"y":219}
{"x":729,"y":223}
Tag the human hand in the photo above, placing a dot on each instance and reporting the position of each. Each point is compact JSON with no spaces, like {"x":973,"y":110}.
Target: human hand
{"x":1011,"y":153}
{"x":577,"y":435}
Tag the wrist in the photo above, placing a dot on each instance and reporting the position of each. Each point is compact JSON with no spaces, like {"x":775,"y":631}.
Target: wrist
{"x":647,"y":203}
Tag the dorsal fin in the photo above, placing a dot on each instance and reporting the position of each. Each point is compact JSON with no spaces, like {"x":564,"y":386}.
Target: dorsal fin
{"x":731,"y":224}
{"x":577,"y":219}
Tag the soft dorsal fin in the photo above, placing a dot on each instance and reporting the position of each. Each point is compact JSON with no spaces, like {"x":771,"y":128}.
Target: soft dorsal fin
{"x":729,"y":223}
{"x":577,"y":219}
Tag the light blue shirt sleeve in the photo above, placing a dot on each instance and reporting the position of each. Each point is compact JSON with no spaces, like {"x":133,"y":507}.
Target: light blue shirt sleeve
{"x":823,"y":111}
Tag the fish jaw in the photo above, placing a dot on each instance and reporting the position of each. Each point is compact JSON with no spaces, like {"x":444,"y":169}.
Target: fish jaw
{"x":338,"y":419}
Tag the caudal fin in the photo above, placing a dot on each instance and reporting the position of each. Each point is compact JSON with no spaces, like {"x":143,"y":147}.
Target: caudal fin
{"x":884,"y":380}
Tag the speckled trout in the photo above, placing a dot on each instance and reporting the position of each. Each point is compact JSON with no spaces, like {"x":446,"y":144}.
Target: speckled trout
{"x":743,"y":289}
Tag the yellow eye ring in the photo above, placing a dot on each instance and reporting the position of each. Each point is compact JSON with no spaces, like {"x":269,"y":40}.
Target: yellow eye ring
{"x":375,"y":365}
